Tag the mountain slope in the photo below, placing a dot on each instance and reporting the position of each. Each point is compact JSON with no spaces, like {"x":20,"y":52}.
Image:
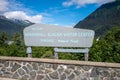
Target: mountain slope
{"x":103,"y":19}
{"x":12,"y":26}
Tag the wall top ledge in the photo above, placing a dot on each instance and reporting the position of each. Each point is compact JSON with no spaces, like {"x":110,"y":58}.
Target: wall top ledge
{"x":56,"y":61}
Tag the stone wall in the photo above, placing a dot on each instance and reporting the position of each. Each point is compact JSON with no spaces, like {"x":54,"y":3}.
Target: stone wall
{"x":51,"y":69}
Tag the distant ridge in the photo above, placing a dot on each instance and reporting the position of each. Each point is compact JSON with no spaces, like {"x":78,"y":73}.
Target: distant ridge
{"x":12,"y":26}
{"x":103,"y":19}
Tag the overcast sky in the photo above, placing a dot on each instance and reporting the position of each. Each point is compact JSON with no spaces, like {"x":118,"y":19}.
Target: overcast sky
{"x":57,"y":12}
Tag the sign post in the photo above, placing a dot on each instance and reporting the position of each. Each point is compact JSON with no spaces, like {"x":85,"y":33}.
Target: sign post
{"x":86,"y":55}
{"x":29,"y":51}
{"x":55,"y":55}
{"x":57,"y":36}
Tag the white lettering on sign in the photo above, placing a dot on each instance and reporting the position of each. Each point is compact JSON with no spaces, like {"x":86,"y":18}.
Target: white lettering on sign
{"x":79,"y":34}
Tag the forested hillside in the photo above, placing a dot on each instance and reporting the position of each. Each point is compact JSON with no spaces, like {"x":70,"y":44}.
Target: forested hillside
{"x":103,"y":19}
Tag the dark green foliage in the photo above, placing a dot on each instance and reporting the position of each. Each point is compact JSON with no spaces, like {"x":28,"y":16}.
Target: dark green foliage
{"x":102,"y":19}
{"x":3,"y":38}
{"x":17,"y":48}
{"x":44,"y":52}
{"x":107,"y":49}
{"x":71,"y":56}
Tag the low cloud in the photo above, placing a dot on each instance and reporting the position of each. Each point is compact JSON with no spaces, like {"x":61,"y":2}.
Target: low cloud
{"x":16,"y":10}
{"x":80,"y":3}
{"x":23,"y":16}
{"x":3,"y":5}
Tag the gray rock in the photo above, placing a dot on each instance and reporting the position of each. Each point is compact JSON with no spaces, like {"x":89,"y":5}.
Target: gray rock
{"x":110,"y":78}
{"x":39,"y":64}
{"x":8,"y":69}
{"x":41,"y":72}
{"x":117,"y":72}
{"x":71,"y":77}
{"x":26,"y":69}
{"x":105,"y":73}
{"x":71,"y":67}
{"x":96,"y":78}
{"x":7,"y":74}
{"x":68,"y":71}
{"x":11,"y":64}
{"x":41,"y":67}
{"x":3,"y":69}
{"x":54,"y":75}
{"x":24,"y":63}
{"x":47,"y":77}
{"x":24,"y":77}
{"x":78,"y":68}
{"x":47,"y":71}
{"x":63,"y":76}
{"x":15,"y":75}
{"x":29,"y":67}
{"x":84,"y":79}
{"x":102,"y":68}
{"x":32,"y":75}
{"x":1,"y":73}
{"x":21,"y":71}
{"x":6,"y":64}
{"x":35,"y":66}
{"x":95,"y":72}
{"x":60,"y":69}
{"x":86,"y":74}
{"x":40,"y":77}
{"x":15,"y":67}
{"x":55,"y":66}
{"x":77,"y":72}
{"x":113,"y":74}
{"x":86,"y":68}
{"x":2,"y":61}
{"x":48,"y":65}
{"x":1,"y":65}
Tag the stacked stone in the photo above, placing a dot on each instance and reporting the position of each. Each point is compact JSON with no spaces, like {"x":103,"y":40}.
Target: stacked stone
{"x":23,"y":70}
